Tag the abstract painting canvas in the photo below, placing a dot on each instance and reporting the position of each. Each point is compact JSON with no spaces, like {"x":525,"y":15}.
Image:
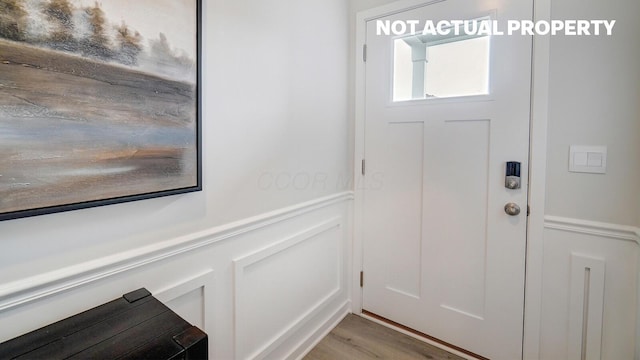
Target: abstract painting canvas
{"x":99,"y":102}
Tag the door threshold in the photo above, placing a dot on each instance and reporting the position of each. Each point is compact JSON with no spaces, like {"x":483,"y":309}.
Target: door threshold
{"x":422,"y":336}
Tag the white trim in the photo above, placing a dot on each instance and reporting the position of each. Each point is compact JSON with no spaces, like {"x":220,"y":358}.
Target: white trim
{"x":239,"y":266}
{"x":204,"y":281}
{"x":537,"y":184}
{"x":27,"y":290}
{"x":173,"y":292}
{"x":296,"y":326}
{"x":358,"y":178}
{"x":587,"y":307}
{"x":311,"y":341}
{"x":595,"y":228}
{"x":393,"y":8}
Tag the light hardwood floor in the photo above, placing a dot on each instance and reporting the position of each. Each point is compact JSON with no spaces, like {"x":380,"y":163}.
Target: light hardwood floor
{"x":357,"y":338}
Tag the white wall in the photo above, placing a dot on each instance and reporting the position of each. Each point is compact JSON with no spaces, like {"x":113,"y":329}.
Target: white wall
{"x":276,"y":168}
{"x":276,"y":75}
{"x":275,"y":103}
{"x":594,"y":100}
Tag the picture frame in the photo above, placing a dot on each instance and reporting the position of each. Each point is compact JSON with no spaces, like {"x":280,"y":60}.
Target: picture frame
{"x":100,"y":103}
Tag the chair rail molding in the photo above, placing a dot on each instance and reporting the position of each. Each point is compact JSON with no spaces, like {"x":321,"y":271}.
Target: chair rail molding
{"x":595,"y":228}
{"x":26,"y":290}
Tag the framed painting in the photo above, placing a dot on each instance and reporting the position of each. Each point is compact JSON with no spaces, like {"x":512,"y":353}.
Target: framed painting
{"x":99,"y":103}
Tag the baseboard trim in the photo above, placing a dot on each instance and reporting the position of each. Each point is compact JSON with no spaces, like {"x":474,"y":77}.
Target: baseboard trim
{"x":588,"y":227}
{"x":27,"y":290}
{"x":310,"y":342}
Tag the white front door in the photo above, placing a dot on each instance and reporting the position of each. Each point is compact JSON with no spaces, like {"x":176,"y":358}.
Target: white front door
{"x":444,"y":115}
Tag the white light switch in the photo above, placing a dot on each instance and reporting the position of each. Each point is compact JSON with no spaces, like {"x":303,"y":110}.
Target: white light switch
{"x":594,"y":159}
{"x":588,"y":159}
{"x":580,"y":159}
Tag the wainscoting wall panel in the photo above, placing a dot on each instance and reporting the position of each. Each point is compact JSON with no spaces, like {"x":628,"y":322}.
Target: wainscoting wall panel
{"x":587,"y":307}
{"x":271,"y":285}
{"x":589,"y":295}
{"x":305,"y":269}
{"x":192,"y":299}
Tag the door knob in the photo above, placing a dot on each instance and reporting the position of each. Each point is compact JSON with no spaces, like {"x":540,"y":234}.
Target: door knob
{"x":512,"y":209}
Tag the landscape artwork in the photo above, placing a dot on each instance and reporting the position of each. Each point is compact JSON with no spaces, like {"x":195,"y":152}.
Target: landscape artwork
{"x":99,"y":102}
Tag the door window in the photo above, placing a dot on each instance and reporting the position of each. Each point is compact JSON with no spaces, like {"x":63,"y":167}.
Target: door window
{"x":435,"y":66}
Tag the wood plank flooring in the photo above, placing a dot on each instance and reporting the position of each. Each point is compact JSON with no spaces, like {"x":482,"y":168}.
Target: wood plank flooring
{"x":357,"y":338}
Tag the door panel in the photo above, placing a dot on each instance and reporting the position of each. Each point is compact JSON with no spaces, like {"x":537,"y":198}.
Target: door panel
{"x":441,"y":256}
{"x":405,"y":176}
{"x":458,"y":251}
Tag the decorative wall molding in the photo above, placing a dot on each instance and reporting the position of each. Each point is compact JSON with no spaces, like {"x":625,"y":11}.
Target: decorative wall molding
{"x":175,"y":291}
{"x":588,"y":227}
{"x":587,"y":307}
{"x":27,"y":290}
{"x":204,"y":281}
{"x":265,"y":255}
{"x":310,"y":342}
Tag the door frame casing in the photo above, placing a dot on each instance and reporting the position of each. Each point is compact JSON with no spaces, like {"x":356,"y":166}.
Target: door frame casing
{"x":537,"y":164}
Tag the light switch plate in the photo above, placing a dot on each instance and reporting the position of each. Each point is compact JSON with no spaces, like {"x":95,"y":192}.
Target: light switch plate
{"x":588,"y":159}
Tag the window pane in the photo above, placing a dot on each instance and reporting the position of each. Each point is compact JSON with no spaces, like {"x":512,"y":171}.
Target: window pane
{"x":440,"y":68}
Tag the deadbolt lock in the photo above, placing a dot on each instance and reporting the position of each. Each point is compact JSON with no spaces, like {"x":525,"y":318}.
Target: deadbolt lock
{"x":512,"y":179}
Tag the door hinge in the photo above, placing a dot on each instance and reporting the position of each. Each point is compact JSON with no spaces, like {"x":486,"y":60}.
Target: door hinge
{"x":361,"y":278}
{"x":364,"y":52}
{"x":528,"y":210}
{"x":363,"y":167}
